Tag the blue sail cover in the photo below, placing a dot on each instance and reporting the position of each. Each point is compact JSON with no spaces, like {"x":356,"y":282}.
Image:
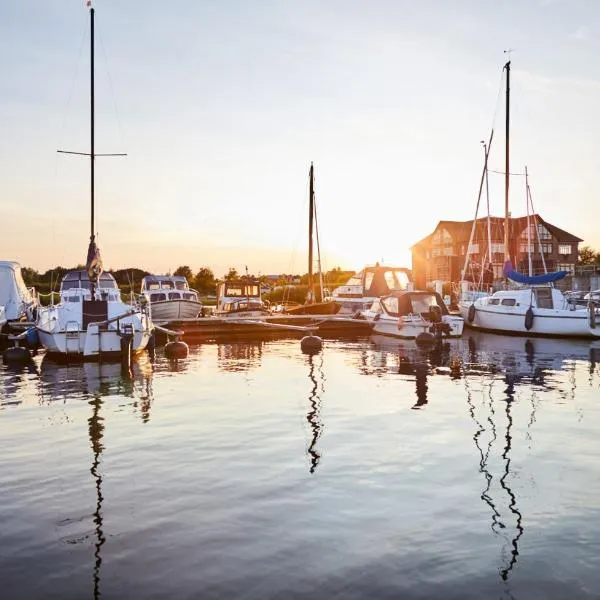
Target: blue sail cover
{"x":534,"y":279}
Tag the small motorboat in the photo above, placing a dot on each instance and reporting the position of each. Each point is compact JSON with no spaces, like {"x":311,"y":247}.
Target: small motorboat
{"x":407,"y":314}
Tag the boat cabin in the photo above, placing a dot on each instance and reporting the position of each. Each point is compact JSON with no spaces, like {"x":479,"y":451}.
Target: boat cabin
{"x":159,"y":288}
{"x":537,"y":297}
{"x":75,"y":287}
{"x":239,"y":295}
{"x":404,"y":303}
{"x":375,"y":281}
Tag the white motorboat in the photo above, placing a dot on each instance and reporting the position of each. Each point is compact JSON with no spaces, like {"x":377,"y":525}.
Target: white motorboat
{"x":170,"y":298}
{"x":407,"y":314}
{"x":17,"y":301}
{"x":373,"y":282}
{"x":91,"y":321}
{"x":240,"y":299}
{"x":533,"y":311}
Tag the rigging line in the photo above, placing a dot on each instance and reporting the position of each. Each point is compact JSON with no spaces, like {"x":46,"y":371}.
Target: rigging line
{"x":504,"y":173}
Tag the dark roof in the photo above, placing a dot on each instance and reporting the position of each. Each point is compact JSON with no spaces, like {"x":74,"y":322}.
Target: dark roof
{"x":461,"y":230}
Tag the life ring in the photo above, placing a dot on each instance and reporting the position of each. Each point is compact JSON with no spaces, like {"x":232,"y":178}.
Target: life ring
{"x":529,"y":318}
{"x":471,"y":313}
{"x":592,"y":315}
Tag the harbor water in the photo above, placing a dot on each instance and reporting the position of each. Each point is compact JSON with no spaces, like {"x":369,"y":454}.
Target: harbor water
{"x":373,"y":469}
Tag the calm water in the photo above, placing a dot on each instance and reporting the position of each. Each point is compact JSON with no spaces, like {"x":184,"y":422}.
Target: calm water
{"x":251,"y":470}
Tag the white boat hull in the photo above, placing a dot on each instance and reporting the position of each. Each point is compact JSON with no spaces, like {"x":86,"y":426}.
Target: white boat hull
{"x":546,"y":321}
{"x":409,"y":328}
{"x":172,"y":310}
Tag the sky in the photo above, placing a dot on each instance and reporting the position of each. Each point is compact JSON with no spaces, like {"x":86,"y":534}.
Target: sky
{"x":222,"y":105}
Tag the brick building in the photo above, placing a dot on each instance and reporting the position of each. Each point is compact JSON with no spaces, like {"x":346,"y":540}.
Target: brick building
{"x":441,"y":255}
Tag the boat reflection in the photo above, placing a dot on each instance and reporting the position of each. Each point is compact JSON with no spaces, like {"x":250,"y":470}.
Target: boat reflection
{"x":405,"y":357}
{"x":516,"y":365}
{"x":315,"y":363}
{"x":62,"y":382}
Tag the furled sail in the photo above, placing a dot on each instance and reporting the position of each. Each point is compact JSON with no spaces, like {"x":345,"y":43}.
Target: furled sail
{"x":93,"y":264}
{"x":534,"y":279}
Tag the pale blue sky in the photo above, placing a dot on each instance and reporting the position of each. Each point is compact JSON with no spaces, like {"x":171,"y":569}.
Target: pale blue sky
{"x":222,"y":105}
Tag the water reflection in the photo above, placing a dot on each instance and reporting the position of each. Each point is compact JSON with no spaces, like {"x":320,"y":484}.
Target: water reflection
{"x":239,"y":355}
{"x":315,"y":362}
{"x":405,"y":357}
{"x":62,"y":382}
{"x":96,"y":433}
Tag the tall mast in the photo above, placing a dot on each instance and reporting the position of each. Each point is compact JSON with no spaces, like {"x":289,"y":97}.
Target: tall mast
{"x":92,"y":155}
{"x":487,"y":198}
{"x":507,"y":165}
{"x":528,"y":223}
{"x":310,"y":298}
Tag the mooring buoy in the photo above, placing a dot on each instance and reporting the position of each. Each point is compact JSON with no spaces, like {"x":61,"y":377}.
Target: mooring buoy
{"x":311,"y":344}
{"x":176,"y":349}
{"x":425,"y":339}
{"x":16,"y":355}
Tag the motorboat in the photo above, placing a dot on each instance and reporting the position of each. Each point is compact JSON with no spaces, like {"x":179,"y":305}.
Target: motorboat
{"x":17,"y":301}
{"x":372,"y":282}
{"x":538,"y":310}
{"x":90,"y":321}
{"x":240,"y":299}
{"x":170,"y":298}
{"x":407,"y":314}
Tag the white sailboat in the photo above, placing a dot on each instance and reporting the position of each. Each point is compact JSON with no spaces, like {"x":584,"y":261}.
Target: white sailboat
{"x":536,"y":308}
{"x":91,"y":321}
{"x":17,"y":301}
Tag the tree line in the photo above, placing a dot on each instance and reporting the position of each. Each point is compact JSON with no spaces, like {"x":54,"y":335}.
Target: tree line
{"x":203,"y":280}
{"x":587,"y":256}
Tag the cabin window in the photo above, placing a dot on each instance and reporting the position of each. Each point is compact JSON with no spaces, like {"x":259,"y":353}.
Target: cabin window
{"x":189,"y":296}
{"x":174,"y":296}
{"x":73,"y":299}
{"x":167,"y":285}
{"x":391,"y":305}
{"x":181,"y":285}
{"x":494,"y":301}
{"x":152,"y":285}
{"x":157,"y":297}
{"x":564,"y":248}
{"x":508,"y":302}
{"x":421,"y":304}
{"x":543,"y":297}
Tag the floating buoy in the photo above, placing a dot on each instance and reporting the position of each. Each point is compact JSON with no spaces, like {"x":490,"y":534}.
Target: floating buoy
{"x":425,"y":339}
{"x":16,"y":355}
{"x":311,"y":344}
{"x":471,"y":313}
{"x":529,"y":318}
{"x":177,"y":349}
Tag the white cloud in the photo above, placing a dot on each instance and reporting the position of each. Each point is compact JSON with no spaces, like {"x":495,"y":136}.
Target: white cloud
{"x":582,"y":33}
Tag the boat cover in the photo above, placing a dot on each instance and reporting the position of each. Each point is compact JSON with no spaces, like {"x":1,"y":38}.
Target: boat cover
{"x":533,"y":279}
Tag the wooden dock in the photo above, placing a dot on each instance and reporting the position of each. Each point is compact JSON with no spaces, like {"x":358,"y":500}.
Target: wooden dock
{"x":327,"y":325}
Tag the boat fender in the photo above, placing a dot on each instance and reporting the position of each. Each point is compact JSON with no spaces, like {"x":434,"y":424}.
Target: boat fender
{"x":592,"y":315}
{"x":529,"y":318}
{"x":176,"y":350}
{"x":311,"y":344}
{"x":32,"y":338}
{"x":471,"y":313}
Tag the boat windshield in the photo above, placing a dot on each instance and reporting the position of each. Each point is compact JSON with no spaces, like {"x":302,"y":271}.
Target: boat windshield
{"x":242,"y":290}
{"x":409,"y":304}
{"x":81,"y":280}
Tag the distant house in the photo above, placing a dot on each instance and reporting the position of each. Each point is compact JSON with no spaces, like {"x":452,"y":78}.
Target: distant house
{"x":441,"y":255}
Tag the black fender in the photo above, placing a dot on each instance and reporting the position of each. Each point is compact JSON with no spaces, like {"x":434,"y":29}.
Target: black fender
{"x":471,"y":313}
{"x":592,"y":315}
{"x":529,"y":318}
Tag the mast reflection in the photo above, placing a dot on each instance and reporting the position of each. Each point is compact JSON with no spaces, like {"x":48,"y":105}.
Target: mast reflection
{"x":314,"y":414}
{"x":96,"y":433}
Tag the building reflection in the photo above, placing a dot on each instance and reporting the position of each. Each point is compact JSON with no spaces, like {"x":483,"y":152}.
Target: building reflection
{"x":317,"y":379}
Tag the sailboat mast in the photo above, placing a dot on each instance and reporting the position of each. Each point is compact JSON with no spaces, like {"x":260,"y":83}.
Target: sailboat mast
{"x":311,"y":211}
{"x":507,"y":165}
{"x":528,"y":223}
{"x":92,"y":155}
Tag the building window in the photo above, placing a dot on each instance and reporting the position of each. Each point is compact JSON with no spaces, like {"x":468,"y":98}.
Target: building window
{"x":474,"y":249}
{"x":527,"y":249}
{"x":448,"y":251}
{"x":497,"y":248}
{"x":547,"y":248}
{"x":564,"y":248}
{"x":567,"y":267}
{"x":543,"y":233}
{"x":435,"y":252}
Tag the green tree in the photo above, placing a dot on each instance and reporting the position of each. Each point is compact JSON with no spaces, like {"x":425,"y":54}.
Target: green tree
{"x":587,"y":256}
{"x":184,"y":271}
{"x":205,"y":280}
{"x":233,"y":274}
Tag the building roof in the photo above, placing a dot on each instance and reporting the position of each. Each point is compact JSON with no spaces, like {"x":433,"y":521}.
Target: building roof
{"x":461,"y":230}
